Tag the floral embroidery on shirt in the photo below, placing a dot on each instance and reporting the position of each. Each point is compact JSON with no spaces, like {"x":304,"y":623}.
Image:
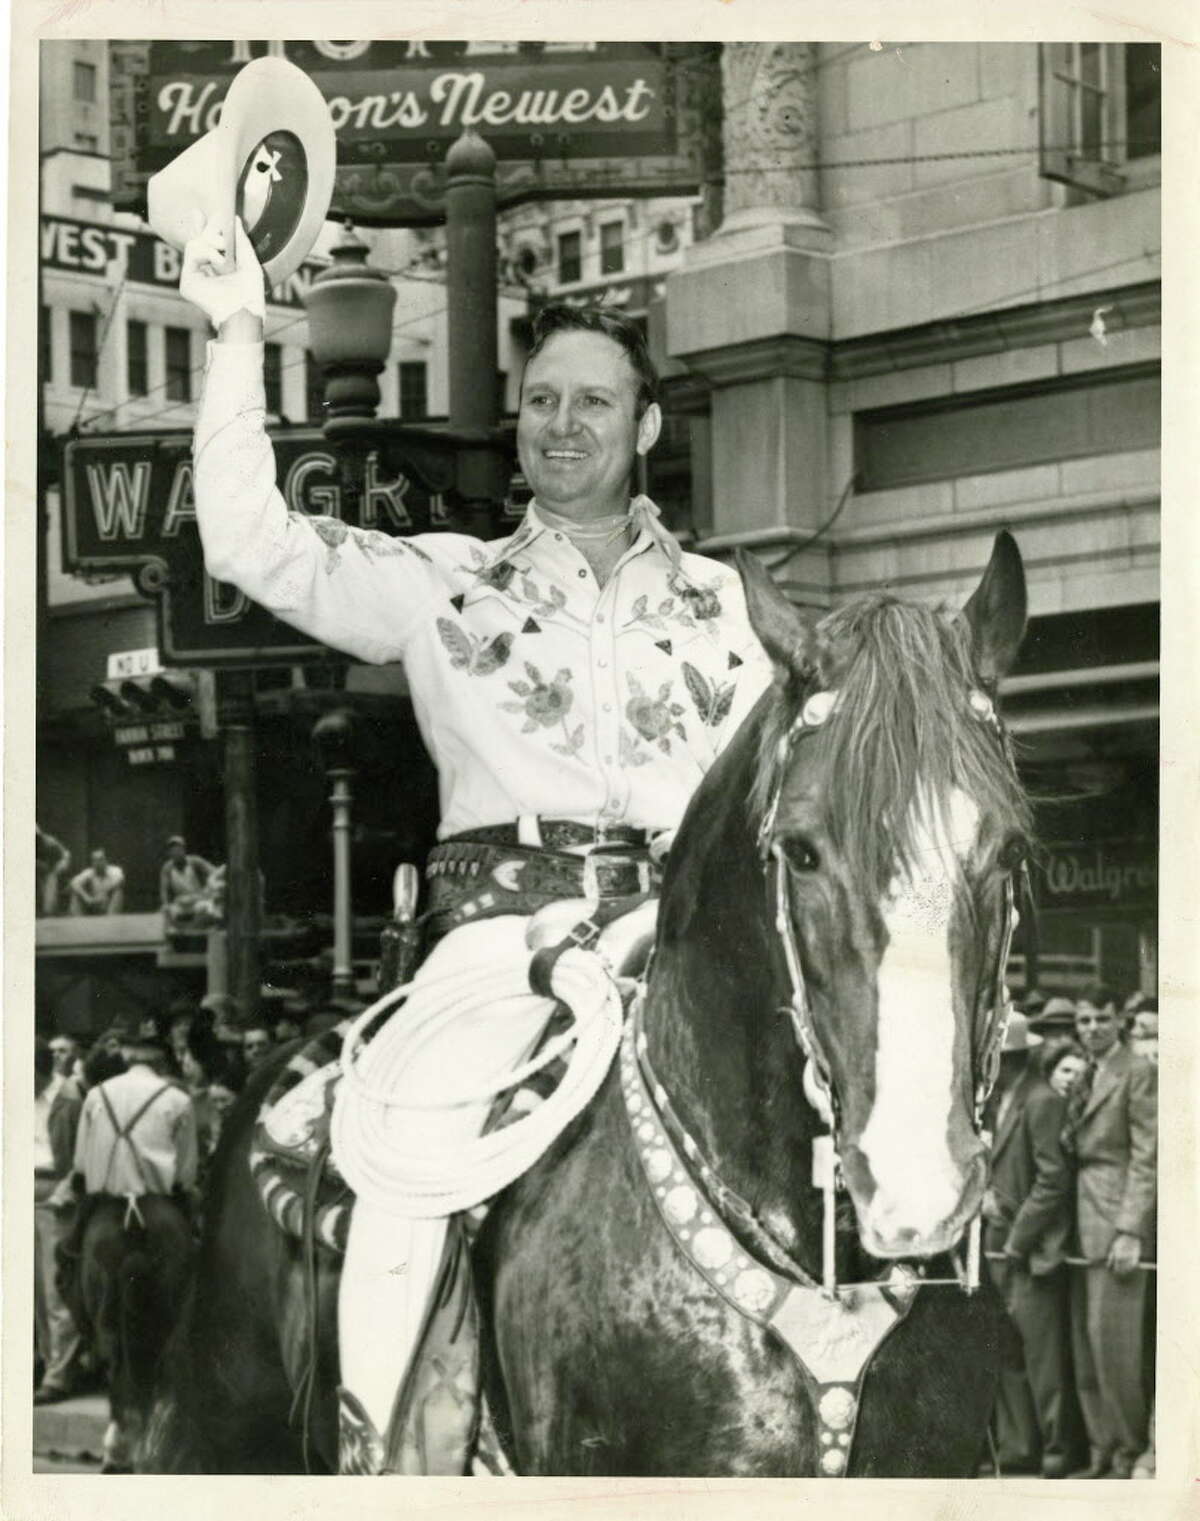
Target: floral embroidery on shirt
{"x":703,"y":601}
{"x":546,"y":703}
{"x":689,"y":606}
{"x":545,"y":604}
{"x":498,"y":576}
{"x":630,"y":755}
{"x":333,"y":533}
{"x":373,"y":542}
{"x":654,"y":718}
{"x":712,"y":700}
{"x":470,"y":652}
{"x":640,"y":614}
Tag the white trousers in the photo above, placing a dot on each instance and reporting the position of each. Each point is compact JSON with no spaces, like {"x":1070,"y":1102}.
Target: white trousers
{"x":392,"y":1260}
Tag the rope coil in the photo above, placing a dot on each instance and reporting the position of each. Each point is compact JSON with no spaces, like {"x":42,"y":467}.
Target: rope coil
{"x":404,"y":1175}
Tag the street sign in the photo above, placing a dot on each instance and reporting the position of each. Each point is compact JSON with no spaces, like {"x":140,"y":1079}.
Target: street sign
{"x":129,"y":505}
{"x":124,"y":665}
{"x":564,"y":119}
{"x":139,"y":734}
{"x":138,"y":258}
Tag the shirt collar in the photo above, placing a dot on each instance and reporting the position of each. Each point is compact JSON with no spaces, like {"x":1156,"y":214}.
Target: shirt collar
{"x":647,"y":519}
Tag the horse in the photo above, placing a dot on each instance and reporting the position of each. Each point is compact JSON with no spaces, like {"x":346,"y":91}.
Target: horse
{"x":124,"y":1288}
{"x":819,"y":1028}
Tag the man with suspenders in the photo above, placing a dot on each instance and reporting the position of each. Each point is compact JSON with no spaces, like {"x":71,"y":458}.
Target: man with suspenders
{"x":137,"y":1132}
{"x":137,"y":1142}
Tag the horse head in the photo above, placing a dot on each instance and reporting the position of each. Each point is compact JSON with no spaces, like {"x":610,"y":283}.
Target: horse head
{"x":891,"y":824}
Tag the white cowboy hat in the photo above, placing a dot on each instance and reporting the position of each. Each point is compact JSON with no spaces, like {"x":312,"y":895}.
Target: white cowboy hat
{"x":270,"y":160}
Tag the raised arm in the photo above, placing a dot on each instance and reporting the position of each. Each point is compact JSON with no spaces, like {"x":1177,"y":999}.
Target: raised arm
{"x":355,"y":590}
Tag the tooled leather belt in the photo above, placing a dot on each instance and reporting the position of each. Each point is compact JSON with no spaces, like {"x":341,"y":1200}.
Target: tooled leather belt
{"x":471,"y":877}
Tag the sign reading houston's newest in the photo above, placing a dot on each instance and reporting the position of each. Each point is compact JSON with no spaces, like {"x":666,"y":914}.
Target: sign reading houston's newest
{"x":130,"y":505}
{"x":562,"y":118}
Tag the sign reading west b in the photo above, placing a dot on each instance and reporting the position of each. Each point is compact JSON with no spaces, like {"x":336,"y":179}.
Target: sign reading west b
{"x":564,"y":119}
{"x":130,"y":506}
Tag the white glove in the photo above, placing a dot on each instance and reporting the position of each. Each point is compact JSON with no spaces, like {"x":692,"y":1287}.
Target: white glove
{"x":218,"y":295}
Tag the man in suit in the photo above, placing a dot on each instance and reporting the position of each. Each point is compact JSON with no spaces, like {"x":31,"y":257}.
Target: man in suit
{"x":1116,"y":1147}
{"x":1027,"y":1213}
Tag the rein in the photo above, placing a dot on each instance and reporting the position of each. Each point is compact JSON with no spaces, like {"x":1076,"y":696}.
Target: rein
{"x":832,"y":1329}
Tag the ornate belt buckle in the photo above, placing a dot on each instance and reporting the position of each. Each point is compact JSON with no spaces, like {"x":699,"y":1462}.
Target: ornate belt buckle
{"x":596,"y":862}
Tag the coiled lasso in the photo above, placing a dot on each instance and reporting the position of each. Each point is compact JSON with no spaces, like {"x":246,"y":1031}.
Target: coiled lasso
{"x":434,"y":1179}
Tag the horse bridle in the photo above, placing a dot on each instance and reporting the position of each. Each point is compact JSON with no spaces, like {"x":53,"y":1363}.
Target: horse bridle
{"x":818,"y":1082}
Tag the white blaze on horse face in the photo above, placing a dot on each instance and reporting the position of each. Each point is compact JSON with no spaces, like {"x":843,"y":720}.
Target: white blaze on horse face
{"x":919,"y":1186}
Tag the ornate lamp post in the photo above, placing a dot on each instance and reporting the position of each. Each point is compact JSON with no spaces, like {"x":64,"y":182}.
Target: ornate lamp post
{"x":334,"y":736}
{"x":350,"y":309}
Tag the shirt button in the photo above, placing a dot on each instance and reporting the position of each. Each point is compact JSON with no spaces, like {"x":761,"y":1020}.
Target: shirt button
{"x":558,"y":536}
{"x":582,"y":573}
{"x":608,"y":707}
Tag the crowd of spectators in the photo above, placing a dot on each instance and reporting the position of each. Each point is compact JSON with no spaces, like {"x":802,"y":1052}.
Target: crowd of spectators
{"x":191,"y":890}
{"x":1069,"y":1235}
{"x":206,"y":1053}
{"x":1068,"y":1216}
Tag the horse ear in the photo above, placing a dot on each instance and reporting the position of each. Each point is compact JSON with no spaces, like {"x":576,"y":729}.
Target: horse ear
{"x":783,"y":630}
{"x":997,"y":610}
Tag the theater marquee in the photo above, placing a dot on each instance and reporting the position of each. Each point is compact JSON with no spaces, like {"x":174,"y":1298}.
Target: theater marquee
{"x":565,"y":120}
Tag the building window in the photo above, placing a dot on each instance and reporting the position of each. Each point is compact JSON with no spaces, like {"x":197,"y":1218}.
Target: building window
{"x":314,"y":390}
{"x":414,"y":389}
{"x":273,"y":376}
{"x":85,"y":350}
{"x":570,"y":257}
{"x":179,"y":364}
{"x":85,"y":82}
{"x":1143,"y":100}
{"x":137,"y":361}
{"x":1009,"y":428}
{"x":46,"y":345}
{"x":612,"y":248}
{"x":1100,"y":111}
{"x":87,"y":142}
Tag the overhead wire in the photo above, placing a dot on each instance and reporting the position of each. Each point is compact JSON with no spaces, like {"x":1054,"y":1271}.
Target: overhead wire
{"x":292,"y":364}
{"x":418,"y":269}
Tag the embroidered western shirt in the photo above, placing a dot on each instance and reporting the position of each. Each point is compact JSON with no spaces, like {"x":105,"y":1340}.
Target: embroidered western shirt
{"x":537,"y":691}
{"x":161,"y":1150}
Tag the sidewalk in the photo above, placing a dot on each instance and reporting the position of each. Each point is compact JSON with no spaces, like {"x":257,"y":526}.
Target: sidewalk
{"x":73,"y":1429}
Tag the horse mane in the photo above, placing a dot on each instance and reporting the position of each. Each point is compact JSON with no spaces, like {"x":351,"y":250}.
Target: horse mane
{"x":904,"y":673}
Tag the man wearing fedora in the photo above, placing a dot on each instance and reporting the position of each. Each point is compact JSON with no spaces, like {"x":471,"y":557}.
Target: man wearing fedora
{"x":1027,"y":1215}
{"x":1115,"y":1139}
{"x":572,"y":682}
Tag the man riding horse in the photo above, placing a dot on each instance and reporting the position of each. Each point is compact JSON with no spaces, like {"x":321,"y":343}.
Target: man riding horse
{"x":573,"y":684}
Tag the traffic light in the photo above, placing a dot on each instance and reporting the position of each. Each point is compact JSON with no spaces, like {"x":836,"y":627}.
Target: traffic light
{"x":106,"y":697}
{"x":137,"y":695}
{"x":166,"y":695}
{"x":176,"y":690}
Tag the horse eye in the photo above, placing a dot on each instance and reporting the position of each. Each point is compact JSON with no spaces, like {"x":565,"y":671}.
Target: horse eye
{"x":1012,"y":853}
{"x":800,"y":853}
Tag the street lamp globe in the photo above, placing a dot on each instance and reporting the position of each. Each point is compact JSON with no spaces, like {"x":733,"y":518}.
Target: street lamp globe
{"x":350,"y":308}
